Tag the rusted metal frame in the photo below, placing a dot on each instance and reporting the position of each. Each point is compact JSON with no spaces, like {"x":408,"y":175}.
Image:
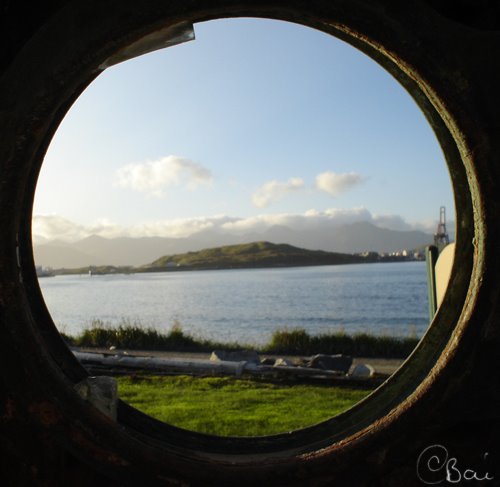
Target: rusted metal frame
{"x":333,"y":461}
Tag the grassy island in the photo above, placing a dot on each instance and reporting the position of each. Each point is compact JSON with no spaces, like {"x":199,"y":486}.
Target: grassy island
{"x":255,"y":255}
{"x":252,"y":255}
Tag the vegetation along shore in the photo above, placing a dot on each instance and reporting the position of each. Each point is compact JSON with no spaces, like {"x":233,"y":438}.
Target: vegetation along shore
{"x":134,"y":336}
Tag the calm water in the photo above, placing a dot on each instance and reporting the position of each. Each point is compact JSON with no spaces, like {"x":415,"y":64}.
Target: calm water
{"x":247,"y":305}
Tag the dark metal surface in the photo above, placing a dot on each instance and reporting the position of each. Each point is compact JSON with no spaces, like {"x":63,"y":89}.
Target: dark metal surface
{"x":447,"y":392}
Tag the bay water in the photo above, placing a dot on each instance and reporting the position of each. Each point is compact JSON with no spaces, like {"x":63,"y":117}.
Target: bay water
{"x":247,"y":305}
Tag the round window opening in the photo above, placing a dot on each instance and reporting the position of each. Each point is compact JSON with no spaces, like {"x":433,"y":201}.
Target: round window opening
{"x":236,"y":227}
{"x":280,"y":186}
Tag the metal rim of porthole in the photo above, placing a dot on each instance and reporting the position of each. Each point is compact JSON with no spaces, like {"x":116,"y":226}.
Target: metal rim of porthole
{"x":50,"y":72}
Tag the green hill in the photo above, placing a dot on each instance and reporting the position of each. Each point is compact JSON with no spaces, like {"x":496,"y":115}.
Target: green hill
{"x":252,"y":255}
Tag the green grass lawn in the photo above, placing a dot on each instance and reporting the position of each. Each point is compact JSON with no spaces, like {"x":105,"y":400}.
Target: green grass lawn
{"x":227,"y":406}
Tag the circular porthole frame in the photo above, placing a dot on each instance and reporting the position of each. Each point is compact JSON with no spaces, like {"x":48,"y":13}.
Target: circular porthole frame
{"x":41,"y":84}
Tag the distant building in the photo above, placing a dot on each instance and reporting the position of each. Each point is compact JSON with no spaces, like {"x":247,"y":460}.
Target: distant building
{"x":44,"y":271}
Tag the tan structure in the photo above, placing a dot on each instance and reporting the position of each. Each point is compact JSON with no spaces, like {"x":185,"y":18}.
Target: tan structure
{"x":444,"y":265}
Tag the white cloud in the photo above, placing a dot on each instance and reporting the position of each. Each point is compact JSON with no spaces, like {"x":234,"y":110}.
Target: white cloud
{"x":344,"y":216}
{"x":275,"y":190}
{"x":397,"y":222}
{"x":56,"y":227}
{"x":176,"y":228}
{"x":49,"y":227}
{"x":335,"y":184}
{"x":153,"y":177}
{"x":430,"y":226}
{"x":309,"y":220}
{"x":392,"y":222}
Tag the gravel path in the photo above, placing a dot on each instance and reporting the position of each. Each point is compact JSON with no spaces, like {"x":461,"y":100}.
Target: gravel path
{"x":381,"y":365}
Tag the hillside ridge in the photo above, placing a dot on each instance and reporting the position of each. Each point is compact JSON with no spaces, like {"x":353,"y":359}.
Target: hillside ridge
{"x":254,"y":254}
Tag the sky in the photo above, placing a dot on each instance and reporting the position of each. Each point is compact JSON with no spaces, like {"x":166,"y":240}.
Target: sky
{"x":254,"y":123}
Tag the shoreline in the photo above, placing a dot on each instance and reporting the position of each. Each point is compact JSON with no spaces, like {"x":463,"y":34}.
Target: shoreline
{"x":127,"y":270}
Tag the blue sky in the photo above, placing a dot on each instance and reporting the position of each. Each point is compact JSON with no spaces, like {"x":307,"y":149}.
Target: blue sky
{"x":256,"y":122}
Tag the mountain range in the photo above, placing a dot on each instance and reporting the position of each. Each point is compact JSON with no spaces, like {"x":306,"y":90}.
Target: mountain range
{"x":349,"y":238}
{"x":96,"y":250}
